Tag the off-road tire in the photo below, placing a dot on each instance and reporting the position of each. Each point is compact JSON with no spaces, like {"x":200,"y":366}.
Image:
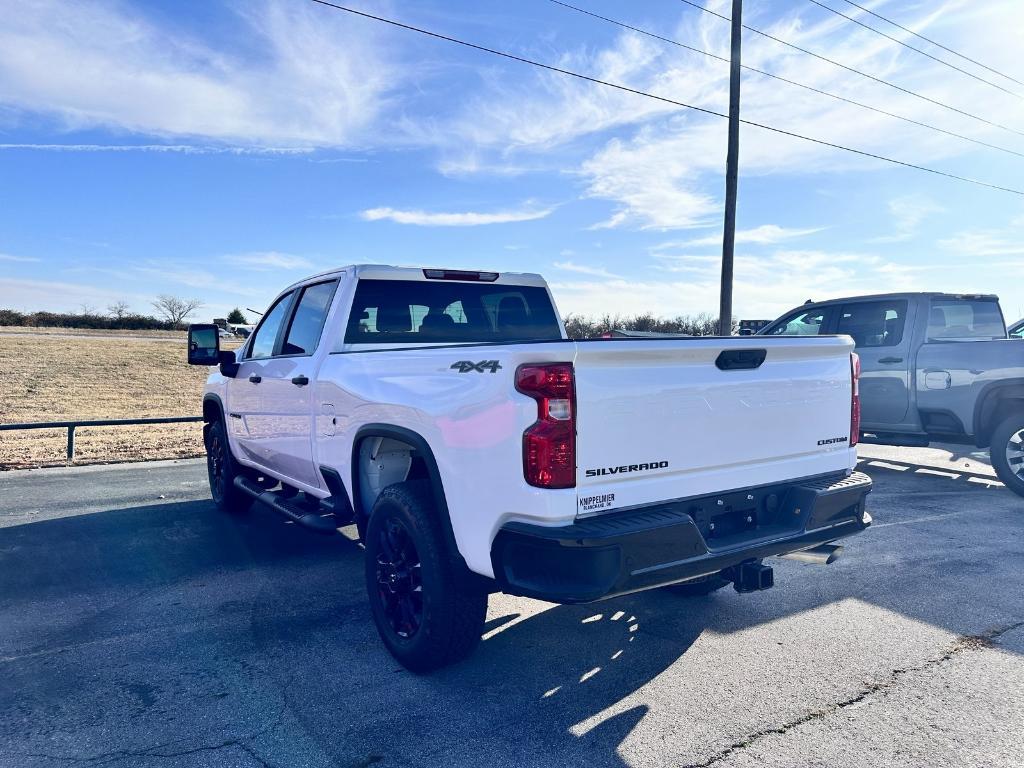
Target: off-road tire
{"x":698,"y":588}
{"x":1007,"y":441}
{"x":452,"y":605}
{"x":221,"y":468}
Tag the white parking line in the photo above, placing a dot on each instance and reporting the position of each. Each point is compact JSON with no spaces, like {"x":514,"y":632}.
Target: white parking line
{"x":925,"y":519}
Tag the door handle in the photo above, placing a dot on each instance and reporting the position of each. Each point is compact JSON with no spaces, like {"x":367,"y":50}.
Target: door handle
{"x":255,"y":379}
{"x":890,"y":360}
{"x":300,"y":381}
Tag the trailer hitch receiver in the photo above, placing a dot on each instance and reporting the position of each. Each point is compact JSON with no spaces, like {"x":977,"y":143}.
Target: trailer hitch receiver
{"x":750,"y":576}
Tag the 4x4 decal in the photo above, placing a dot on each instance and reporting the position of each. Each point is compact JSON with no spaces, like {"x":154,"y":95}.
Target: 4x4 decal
{"x":467,"y":366}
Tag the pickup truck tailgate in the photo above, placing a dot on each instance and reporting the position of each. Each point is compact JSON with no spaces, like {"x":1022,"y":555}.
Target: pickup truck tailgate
{"x":669,"y":419}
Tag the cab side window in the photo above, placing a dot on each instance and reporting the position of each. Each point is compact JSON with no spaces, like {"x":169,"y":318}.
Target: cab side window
{"x":309,"y":318}
{"x":266,"y":335}
{"x":873,"y":323}
{"x":811,"y":322}
{"x":957,"y":319}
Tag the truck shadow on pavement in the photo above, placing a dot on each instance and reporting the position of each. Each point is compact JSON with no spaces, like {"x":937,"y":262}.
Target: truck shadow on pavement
{"x":174,"y":628}
{"x":171,"y":630}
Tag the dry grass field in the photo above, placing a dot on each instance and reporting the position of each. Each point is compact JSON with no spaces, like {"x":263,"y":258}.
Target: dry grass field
{"x":98,"y":332}
{"x":47,"y":377}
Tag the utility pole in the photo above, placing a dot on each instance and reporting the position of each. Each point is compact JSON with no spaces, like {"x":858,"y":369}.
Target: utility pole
{"x":732,"y":161}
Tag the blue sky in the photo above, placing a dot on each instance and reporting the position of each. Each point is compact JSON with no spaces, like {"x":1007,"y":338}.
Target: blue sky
{"x":223,"y":149}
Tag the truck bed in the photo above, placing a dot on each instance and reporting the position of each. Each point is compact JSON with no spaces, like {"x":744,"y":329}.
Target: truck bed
{"x":658,"y":419}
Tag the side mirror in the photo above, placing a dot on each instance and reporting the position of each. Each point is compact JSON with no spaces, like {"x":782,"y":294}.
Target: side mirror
{"x":203,"y":344}
{"x":228,"y":365}
{"x":746,"y":332}
{"x":204,"y":349}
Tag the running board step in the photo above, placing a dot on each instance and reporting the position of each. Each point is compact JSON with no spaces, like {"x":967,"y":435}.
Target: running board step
{"x":303,"y":516}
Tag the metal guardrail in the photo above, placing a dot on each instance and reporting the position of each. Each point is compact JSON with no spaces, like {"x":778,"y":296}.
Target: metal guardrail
{"x":70,"y":426}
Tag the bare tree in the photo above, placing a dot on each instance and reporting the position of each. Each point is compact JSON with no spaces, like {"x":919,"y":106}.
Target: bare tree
{"x":118,"y":310}
{"x":174,"y":309}
{"x":88,"y":309}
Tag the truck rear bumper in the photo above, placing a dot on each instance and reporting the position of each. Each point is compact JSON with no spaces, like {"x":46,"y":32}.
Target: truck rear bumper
{"x":647,"y":547}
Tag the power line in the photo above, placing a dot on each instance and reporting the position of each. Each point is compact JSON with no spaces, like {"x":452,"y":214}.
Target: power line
{"x":835,"y":63}
{"x":788,"y":81}
{"x":896,"y":40}
{"x":933,"y":42}
{"x":663,"y":99}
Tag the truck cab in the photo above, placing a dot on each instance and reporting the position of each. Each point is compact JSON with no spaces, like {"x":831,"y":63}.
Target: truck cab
{"x":934,"y":367}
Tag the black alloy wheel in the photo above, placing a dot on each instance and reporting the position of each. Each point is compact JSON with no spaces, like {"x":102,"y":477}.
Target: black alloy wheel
{"x":399,"y":579}
{"x":222,"y":470}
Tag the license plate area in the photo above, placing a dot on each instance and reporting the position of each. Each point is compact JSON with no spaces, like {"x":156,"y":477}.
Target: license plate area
{"x":724,"y":519}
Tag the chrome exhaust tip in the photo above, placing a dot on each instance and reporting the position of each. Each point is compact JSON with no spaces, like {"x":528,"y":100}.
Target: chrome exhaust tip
{"x":823,"y":554}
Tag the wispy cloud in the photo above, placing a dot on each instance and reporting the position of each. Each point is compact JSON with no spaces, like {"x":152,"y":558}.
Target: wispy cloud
{"x":194,"y":278}
{"x":200,"y":280}
{"x":663,"y":170}
{"x":184,"y":149}
{"x":463,"y":219}
{"x":34,"y":295}
{"x":766,"y":234}
{"x":986,"y":243}
{"x":908,"y":212}
{"x":319,"y":80}
{"x":583,"y":269}
{"x":267,"y":260}
{"x":11,"y":257}
{"x":766,"y":284}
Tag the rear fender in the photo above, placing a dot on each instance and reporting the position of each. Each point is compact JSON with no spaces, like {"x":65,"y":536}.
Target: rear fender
{"x":421,"y":450}
{"x":995,"y":402}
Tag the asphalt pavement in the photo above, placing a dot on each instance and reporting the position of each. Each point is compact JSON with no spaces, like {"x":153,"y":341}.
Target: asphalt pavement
{"x":139,"y":626}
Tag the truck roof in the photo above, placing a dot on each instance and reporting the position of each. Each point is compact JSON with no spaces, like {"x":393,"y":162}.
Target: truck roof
{"x":390,"y":272}
{"x":905,"y":295}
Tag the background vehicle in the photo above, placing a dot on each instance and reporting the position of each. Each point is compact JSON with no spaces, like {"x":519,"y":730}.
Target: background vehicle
{"x":1016,"y":331}
{"x":935,"y":366}
{"x":477,"y":449}
{"x":751,"y":327}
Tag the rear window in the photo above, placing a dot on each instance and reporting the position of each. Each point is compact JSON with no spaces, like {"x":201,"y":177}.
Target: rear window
{"x":873,"y":323}
{"x":802,"y":323}
{"x":952,"y":319}
{"x":448,"y":312}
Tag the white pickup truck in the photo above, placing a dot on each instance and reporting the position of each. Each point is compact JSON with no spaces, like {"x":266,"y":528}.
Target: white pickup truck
{"x":477,"y":449}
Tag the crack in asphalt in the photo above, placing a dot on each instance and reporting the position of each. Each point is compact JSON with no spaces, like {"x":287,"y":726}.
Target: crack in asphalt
{"x":109,"y":757}
{"x":987,"y":639}
{"x":239,"y":742}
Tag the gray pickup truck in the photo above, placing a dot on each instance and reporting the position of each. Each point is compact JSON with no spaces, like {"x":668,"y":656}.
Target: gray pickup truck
{"x":935,"y":367}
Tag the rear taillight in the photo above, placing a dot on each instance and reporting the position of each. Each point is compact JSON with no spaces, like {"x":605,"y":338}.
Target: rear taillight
{"x":855,"y":405}
{"x":549,"y":444}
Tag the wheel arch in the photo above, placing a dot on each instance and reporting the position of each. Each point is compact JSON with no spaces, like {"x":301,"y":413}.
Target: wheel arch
{"x":420,"y":449}
{"x":213,"y":408}
{"x":995,"y":402}
{"x":213,"y":411}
